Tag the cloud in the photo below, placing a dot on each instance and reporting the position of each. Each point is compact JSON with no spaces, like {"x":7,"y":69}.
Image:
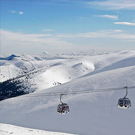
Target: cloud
{"x":13,"y":36}
{"x":55,"y":38}
{"x":113,"y":4}
{"x":12,"y":11}
{"x":109,"y":16}
{"x":20,"y":12}
{"x":117,"y":34}
{"x":47,"y":30}
{"x":21,"y":42}
{"x":125,"y":23}
{"x":17,"y":42}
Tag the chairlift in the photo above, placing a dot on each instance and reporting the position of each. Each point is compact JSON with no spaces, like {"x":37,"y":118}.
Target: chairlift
{"x":62,"y":108}
{"x":124,"y":103}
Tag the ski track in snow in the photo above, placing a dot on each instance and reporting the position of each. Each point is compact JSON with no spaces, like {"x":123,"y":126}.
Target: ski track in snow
{"x":94,"y":113}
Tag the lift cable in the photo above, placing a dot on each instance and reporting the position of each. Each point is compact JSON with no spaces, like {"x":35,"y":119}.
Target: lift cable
{"x":73,"y":92}
{"x":77,"y":92}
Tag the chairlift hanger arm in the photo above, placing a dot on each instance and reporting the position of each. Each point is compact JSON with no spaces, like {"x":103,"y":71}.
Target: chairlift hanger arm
{"x":126,"y":91}
{"x":61,"y":97}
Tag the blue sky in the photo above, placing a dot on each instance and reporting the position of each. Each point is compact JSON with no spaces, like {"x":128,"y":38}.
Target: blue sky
{"x":57,"y":26}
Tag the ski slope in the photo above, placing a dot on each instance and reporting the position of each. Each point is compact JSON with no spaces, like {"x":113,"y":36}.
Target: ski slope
{"x":94,"y":113}
{"x":6,"y":129}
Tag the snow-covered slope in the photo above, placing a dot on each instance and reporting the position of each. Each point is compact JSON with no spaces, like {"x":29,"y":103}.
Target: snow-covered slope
{"x":6,"y":129}
{"x":93,"y":113}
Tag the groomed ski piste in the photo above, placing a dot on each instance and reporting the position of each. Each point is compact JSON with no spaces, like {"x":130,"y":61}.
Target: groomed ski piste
{"x":15,"y":130}
{"x":46,"y":76}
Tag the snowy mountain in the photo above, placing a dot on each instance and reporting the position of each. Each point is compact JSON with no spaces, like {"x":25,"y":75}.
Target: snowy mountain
{"x":11,"y":57}
{"x":45,"y":52}
{"x":94,"y":113}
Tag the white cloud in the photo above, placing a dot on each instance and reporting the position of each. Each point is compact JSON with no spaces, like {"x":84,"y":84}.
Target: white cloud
{"x":12,"y":11}
{"x":48,"y":30}
{"x":20,"y":12}
{"x":17,"y":36}
{"x":125,"y":23}
{"x":20,"y":42}
{"x":109,"y":16}
{"x":55,"y":39}
{"x":117,"y":34}
{"x":124,"y":36}
{"x":113,"y":4}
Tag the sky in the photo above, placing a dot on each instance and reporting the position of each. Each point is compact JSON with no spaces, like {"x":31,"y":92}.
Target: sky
{"x":66,"y":26}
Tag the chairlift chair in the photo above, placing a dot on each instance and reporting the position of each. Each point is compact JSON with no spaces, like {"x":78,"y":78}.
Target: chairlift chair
{"x":62,"y":108}
{"x":124,"y":103}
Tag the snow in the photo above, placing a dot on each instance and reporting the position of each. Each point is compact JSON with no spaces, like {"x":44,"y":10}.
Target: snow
{"x":93,"y":113}
{"x":45,"y":52}
{"x":6,"y":129}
